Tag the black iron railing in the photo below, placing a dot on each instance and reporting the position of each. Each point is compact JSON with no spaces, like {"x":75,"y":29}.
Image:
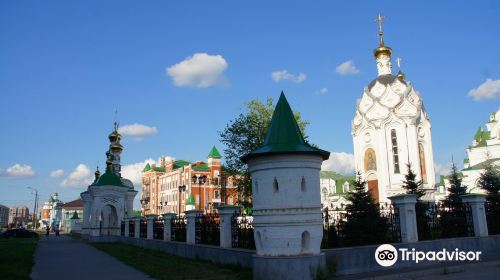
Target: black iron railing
{"x":207,"y":229}
{"x":438,"y":221}
{"x":242,"y":231}
{"x":122,"y":228}
{"x":143,"y":228}
{"x":158,"y":227}
{"x":131,"y":228}
{"x":492,"y":208}
{"x":178,"y":229}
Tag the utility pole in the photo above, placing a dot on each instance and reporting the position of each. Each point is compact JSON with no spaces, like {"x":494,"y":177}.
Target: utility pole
{"x":35,"y":208}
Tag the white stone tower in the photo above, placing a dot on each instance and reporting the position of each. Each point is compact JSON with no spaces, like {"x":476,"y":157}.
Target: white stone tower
{"x":287,"y":216}
{"x":390,"y":129}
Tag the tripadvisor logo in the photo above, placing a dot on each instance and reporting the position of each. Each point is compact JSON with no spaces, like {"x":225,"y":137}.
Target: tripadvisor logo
{"x":387,"y":255}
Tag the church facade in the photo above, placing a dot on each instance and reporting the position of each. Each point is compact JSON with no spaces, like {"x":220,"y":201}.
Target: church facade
{"x":391,"y":129}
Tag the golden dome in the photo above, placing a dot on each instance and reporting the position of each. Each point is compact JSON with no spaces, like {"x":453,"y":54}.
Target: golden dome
{"x":382,"y":50}
{"x":116,"y":147}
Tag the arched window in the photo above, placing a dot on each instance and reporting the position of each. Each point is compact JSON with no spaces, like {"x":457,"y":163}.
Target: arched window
{"x":276,"y":188}
{"x":395,"y":156}
{"x":421,"y":155}
{"x":370,"y":160}
{"x":305,"y":242}
{"x":303,"y":184}
{"x":256,"y":186}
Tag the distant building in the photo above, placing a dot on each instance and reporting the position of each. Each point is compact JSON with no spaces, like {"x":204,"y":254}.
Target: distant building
{"x":175,"y":185}
{"x":485,"y":149}
{"x":4,"y":216}
{"x":72,"y":214}
{"x":334,"y":188}
{"x":19,"y":216}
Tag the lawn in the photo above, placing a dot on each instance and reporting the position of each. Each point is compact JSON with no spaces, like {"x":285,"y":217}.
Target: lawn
{"x":16,"y":257}
{"x":160,"y":265}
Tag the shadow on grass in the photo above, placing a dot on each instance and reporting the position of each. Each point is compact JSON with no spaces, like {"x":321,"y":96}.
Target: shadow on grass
{"x":16,"y":257}
{"x":160,"y":265}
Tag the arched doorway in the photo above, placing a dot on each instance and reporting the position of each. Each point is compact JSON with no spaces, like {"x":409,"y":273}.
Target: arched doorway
{"x":370,"y":164}
{"x":108,"y":220}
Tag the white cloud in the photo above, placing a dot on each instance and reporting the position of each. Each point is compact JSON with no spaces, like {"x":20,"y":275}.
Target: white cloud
{"x":137,"y":131}
{"x":442,"y":169}
{"x":347,"y":68}
{"x":81,"y":177}
{"x":57,"y":173}
{"x":199,"y":70}
{"x":342,"y":163}
{"x":18,"y":171}
{"x":133,"y":171}
{"x":323,"y":90}
{"x":486,"y":91}
{"x":283,"y":75}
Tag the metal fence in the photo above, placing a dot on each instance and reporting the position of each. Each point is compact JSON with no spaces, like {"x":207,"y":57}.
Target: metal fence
{"x":242,"y":231}
{"x":207,"y":229}
{"x":437,"y":220}
{"x":344,"y":227}
{"x":492,"y":208}
{"x":131,"y":228}
{"x":122,"y":228}
{"x":158,"y":226}
{"x":178,"y":229}
{"x":143,"y":229}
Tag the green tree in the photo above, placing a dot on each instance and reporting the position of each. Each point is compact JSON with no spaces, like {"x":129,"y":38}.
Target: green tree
{"x":489,"y":181}
{"x":362,"y":214}
{"x":413,"y":186}
{"x":453,"y":217}
{"x":245,"y":134}
{"x":456,"y":189}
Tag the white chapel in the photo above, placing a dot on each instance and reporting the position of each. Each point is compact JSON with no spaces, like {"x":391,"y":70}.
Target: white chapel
{"x":390,"y":129}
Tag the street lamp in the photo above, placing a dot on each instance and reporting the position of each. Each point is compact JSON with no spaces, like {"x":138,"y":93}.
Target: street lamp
{"x":181,"y":189}
{"x":35,"y":208}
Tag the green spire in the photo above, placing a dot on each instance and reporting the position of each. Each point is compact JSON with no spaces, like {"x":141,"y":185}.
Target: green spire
{"x":214,"y":153}
{"x":190,"y":200}
{"x":75,"y":216}
{"x":284,"y":136}
{"x":147,"y":167}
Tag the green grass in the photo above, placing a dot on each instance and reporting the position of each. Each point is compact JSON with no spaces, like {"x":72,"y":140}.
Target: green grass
{"x":160,"y":265}
{"x":16,"y":257}
{"x":74,"y":235}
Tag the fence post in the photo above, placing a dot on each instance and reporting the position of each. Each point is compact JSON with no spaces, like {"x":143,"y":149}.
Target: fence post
{"x":126,"y":221}
{"x":137,"y":227}
{"x":226,"y":214}
{"x":191,"y":226}
{"x":167,"y":225}
{"x":476,"y":202}
{"x":151,"y":219}
{"x":405,"y":204}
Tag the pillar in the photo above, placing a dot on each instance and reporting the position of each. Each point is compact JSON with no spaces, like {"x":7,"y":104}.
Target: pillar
{"x":226,"y":214}
{"x":127,"y":228}
{"x":137,"y":227}
{"x":405,"y":203}
{"x":167,"y":225}
{"x":151,"y":219}
{"x":191,"y":226}
{"x":476,"y":202}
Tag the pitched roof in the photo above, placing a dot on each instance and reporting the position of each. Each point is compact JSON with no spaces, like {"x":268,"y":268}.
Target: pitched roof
{"x":214,"y":153}
{"x":284,"y":136}
{"x":201,"y":167}
{"x":109,"y":178}
{"x":482,"y":165}
{"x":147,"y":167}
{"x":74,"y":204}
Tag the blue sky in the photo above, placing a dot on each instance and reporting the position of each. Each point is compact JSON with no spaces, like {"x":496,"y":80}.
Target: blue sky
{"x":66,"y":66}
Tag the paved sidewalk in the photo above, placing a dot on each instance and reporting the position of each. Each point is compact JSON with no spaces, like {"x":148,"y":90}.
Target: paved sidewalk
{"x":65,"y":258}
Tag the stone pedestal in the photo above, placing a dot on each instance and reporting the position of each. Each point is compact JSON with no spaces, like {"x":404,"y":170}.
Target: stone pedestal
{"x":151,"y":219}
{"x":476,"y":202}
{"x":405,"y":204}
{"x":191,"y":226}
{"x":300,"y":267}
{"x":137,"y":227}
{"x":127,"y":227}
{"x":167,"y":225}
{"x":226,"y":214}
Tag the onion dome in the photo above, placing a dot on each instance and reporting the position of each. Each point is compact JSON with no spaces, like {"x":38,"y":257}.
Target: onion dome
{"x":382,"y":50}
{"x":116,"y":147}
{"x":97,"y":174}
{"x":114,"y":136}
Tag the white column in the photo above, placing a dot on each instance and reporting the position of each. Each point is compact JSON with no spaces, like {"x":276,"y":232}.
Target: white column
{"x":476,"y":202}
{"x":151,"y":219}
{"x":191,"y":225}
{"x":137,"y":227}
{"x":405,"y":203}
{"x":226,"y":214}
{"x":167,"y":225}
{"x":127,"y":228}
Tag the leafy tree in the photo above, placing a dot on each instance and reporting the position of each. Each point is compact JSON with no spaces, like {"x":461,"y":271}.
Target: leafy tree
{"x":362,"y":214}
{"x":413,"y":186}
{"x":245,"y":134}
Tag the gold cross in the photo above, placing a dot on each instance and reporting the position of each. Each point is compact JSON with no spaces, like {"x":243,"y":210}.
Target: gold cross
{"x":398,"y":60}
{"x":379,"y":19}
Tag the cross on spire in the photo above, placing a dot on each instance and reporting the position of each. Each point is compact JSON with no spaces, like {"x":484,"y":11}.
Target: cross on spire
{"x":398,"y":60}
{"x":116,"y":120}
{"x":379,"y":19}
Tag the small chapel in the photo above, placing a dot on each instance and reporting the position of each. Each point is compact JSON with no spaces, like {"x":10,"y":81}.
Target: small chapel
{"x":390,"y":129}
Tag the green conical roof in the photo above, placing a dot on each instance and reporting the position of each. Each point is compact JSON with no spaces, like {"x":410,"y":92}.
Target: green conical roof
{"x":75,"y":216}
{"x":147,"y":167}
{"x":190,"y":200}
{"x":214,"y":153}
{"x":284,"y":136}
{"x":109,"y":179}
